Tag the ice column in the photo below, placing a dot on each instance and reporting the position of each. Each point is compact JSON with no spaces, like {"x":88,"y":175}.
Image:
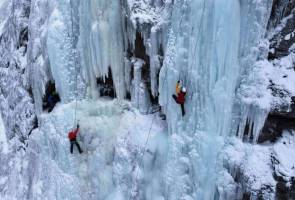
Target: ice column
{"x":62,"y":41}
{"x":38,"y":61}
{"x":204,"y":50}
{"x":140,"y":96}
{"x":154,"y":60}
{"x":249,"y":108}
{"x":136,"y":82}
{"x":101,"y":43}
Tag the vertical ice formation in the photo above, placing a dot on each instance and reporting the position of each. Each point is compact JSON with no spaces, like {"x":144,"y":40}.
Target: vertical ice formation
{"x":101,"y":43}
{"x":150,"y":20}
{"x":252,"y":101}
{"x":211,"y":48}
{"x":139,"y":93}
{"x":62,"y":41}
{"x":38,"y":61}
{"x":90,"y":37}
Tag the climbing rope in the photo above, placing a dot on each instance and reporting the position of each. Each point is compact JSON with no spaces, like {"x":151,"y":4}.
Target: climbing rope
{"x":75,"y":65}
{"x":144,"y":150}
{"x":199,"y":33}
{"x":165,"y":80}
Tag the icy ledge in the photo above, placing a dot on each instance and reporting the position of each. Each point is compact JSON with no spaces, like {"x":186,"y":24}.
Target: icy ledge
{"x":258,"y":171}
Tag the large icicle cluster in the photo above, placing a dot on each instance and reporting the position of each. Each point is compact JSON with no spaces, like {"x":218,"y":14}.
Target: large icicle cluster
{"x":150,"y":19}
{"x":38,"y":61}
{"x":101,"y":43}
{"x":62,"y":47}
{"x":215,"y":47}
{"x":97,"y":36}
{"x":211,"y":48}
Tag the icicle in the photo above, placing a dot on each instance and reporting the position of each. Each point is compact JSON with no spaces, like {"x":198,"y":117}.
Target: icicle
{"x":207,"y":48}
{"x":101,"y":42}
{"x":127,"y":73}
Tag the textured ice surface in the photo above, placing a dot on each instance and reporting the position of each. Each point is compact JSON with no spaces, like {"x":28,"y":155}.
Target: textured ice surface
{"x":16,"y":104}
{"x":255,"y":166}
{"x":284,"y":150}
{"x":211,"y":48}
{"x":62,"y":50}
{"x":116,"y":162}
{"x":101,"y":43}
{"x":39,"y":72}
{"x":252,"y":166}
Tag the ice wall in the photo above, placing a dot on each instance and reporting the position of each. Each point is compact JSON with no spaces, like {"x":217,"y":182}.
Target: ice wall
{"x":101,"y":43}
{"x":93,"y":36}
{"x":252,"y":99}
{"x":16,"y":103}
{"x":39,"y":72}
{"x":108,"y":35}
{"x":116,"y":162}
{"x":64,"y":55}
{"x":211,"y":49}
{"x":150,"y":20}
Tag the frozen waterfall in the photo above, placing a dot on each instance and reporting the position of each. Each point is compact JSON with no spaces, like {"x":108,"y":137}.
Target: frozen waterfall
{"x":211,"y":49}
{"x":144,"y":47}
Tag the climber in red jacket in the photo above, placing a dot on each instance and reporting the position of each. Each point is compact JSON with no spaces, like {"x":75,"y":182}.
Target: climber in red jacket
{"x":72,"y":137}
{"x":180,"y":98}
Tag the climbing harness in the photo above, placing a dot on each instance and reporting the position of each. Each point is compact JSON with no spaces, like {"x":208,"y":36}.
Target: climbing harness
{"x":75,"y":64}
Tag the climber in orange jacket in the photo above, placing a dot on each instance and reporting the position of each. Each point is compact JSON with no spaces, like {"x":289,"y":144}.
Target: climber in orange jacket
{"x":180,"y":97}
{"x":73,"y":139}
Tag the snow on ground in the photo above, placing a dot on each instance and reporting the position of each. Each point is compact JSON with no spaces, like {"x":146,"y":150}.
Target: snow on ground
{"x":113,"y":136}
{"x":284,"y":151}
{"x":254,"y":166}
{"x":251,"y":165}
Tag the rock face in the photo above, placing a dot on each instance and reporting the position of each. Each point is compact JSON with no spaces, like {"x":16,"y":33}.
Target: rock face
{"x":281,"y":34}
{"x":283,"y":22}
{"x":274,"y":126}
{"x":278,"y":180}
{"x":262,"y":171}
{"x":144,"y":36}
{"x":16,"y":103}
{"x":283,"y":166}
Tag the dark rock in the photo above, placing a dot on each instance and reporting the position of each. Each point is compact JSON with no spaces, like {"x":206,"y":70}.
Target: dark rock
{"x":106,"y":85}
{"x":283,"y":191}
{"x":279,"y":44}
{"x":280,"y":10}
{"x":275,"y":124}
{"x":246,"y":196}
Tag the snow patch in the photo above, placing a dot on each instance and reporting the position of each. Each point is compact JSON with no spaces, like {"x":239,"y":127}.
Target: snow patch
{"x":284,"y":151}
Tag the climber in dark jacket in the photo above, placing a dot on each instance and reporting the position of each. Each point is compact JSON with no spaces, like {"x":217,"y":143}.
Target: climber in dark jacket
{"x":180,"y":97}
{"x":52,"y":99}
{"x":72,"y":137}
